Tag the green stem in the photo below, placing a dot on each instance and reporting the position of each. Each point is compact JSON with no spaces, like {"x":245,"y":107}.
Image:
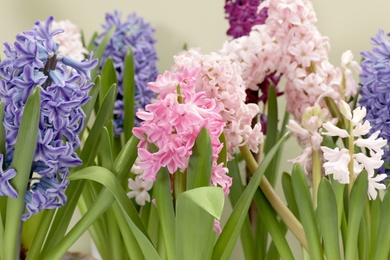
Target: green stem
{"x":284,"y":212}
{"x":316,"y":175}
{"x":351,"y":148}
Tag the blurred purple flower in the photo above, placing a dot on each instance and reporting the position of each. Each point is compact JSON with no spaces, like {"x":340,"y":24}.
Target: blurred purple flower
{"x":33,"y":61}
{"x":242,"y":15}
{"x":375,"y":95}
{"x":136,"y":34}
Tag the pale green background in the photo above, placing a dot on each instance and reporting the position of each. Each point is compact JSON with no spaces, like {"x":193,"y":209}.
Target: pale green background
{"x":198,"y":23}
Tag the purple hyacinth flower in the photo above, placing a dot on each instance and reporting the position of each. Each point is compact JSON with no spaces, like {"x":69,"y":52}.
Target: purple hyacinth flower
{"x":6,"y":188}
{"x":242,"y":15}
{"x":33,"y":61}
{"x":137,"y":35}
{"x":375,"y":85}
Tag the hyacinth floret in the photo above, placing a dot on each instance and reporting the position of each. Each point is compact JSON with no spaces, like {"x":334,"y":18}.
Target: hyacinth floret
{"x":374,"y":91}
{"x":33,"y":60}
{"x":138,"y":36}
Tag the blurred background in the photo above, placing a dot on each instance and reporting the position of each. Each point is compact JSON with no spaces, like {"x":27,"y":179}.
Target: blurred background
{"x":349,"y":24}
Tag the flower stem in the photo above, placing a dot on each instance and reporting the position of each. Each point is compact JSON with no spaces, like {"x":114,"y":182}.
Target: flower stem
{"x":284,"y":212}
{"x":351,"y":148}
{"x":316,"y":175}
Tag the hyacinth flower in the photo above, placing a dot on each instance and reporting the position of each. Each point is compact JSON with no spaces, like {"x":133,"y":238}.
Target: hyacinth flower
{"x":138,"y":36}
{"x":346,"y":164}
{"x":374,"y":88}
{"x":33,"y":60}
{"x":70,"y":42}
{"x":242,"y":15}
{"x":172,"y":124}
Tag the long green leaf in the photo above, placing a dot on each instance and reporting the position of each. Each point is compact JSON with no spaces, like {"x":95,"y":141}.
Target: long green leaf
{"x":200,"y":164}
{"x":226,"y":241}
{"x":236,"y":190}
{"x":306,"y":211}
{"x":289,"y":194}
{"x":355,"y":212}
{"x":381,"y":250}
{"x":21,"y":162}
{"x":114,"y":187}
{"x":101,"y":49}
{"x":166,"y":215}
{"x":327,"y":218}
{"x":88,"y":108}
{"x":272,"y":132}
{"x":128,"y":95}
{"x":375,"y":214}
{"x":199,"y":206}
{"x":108,"y":78}
{"x":129,"y":240}
{"x":268,"y":216}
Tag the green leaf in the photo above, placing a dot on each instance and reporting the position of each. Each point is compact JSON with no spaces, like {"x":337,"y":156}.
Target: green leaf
{"x":101,"y":49}
{"x":381,"y":250}
{"x":90,"y":148}
{"x":272,"y":133}
{"x":22,"y":161}
{"x":236,"y":190}
{"x":165,"y":211}
{"x":108,"y":78}
{"x":306,"y":211}
{"x":363,"y":241}
{"x":88,"y":108}
{"x":114,"y":189}
{"x":289,"y":194}
{"x":327,"y":218}
{"x":200,"y":164}
{"x":128,"y":95}
{"x":105,"y":150}
{"x":355,"y":212}
{"x":91,"y":44}
{"x":268,"y":216}
{"x":226,"y":241}
{"x":199,"y":207}
{"x":375,"y":214}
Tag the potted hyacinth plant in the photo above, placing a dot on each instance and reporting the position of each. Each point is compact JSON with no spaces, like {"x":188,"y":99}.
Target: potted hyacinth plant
{"x":151,"y":159}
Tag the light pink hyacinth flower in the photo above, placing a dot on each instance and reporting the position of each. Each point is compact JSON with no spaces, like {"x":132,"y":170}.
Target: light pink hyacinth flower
{"x":310,"y":75}
{"x":70,"y":40}
{"x":220,"y":79}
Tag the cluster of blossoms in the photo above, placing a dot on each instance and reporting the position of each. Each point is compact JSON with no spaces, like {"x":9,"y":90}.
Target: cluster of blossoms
{"x":201,"y":91}
{"x":136,"y":35}
{"x":70,"y":43}
{"x":308,"y":134}
{"x":242,"y":15}
{"x":33,"y":61}
{"x":220,"y":79}
{"x":173,"y":123}
{"x":338,"y":160}
{"x":374,"y":92}
{"x":310,"y":76}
